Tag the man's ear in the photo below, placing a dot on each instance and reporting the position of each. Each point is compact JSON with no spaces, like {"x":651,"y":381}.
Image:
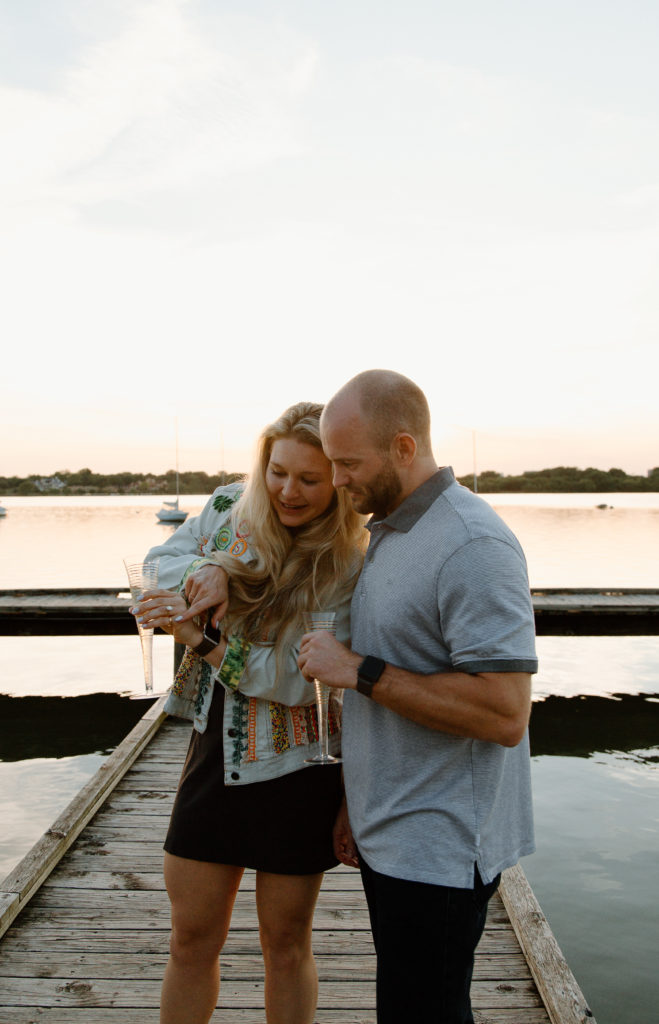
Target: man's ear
{"x":404,"y":449}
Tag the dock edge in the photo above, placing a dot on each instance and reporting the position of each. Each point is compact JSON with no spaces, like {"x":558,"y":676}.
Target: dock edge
{"x":557,"y":986}
{"x":17,"y":888}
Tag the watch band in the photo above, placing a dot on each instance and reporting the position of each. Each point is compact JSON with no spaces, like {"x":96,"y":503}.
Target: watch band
{"x":368,"y":674}
{"x":210,"y":640}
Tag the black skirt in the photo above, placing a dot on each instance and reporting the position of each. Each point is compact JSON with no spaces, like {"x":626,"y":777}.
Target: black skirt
{"x":282,"y":825}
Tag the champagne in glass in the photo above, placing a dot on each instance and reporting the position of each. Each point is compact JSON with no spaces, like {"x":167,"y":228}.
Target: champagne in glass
{"x":142,"y":577}
{"x":322,"y":621}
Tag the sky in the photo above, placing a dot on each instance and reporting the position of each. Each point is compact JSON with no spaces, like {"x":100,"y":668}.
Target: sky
{"x":211,"y":210}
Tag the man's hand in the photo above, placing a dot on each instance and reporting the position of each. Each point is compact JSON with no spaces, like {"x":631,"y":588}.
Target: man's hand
{"x":208,"y":587}
{"x":345,"y":849}
{"x":322,"y":657}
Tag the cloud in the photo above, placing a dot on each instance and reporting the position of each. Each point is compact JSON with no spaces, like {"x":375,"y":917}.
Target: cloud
{"x":160,"y":104}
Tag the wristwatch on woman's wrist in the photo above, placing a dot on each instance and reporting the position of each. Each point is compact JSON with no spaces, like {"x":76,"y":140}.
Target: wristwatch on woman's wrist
{"x":209,"y":641}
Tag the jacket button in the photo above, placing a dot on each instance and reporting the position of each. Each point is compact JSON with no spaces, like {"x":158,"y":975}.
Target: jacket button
{"x":231,"y":732}
{"x":235,"y":775}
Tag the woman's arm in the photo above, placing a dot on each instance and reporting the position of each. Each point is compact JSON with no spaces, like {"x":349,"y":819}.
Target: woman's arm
{"x":177,"y":554}
{"x":185,"y":557}
{"x":207,"y":587}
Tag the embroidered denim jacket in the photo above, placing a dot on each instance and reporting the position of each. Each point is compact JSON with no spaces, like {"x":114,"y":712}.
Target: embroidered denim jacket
{"x":270,"y":723}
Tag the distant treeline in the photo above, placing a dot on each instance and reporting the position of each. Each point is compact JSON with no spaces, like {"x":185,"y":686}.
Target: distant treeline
{"x":564,"y":478}
{"x":87,"y":482}
{"x":561,"y":478}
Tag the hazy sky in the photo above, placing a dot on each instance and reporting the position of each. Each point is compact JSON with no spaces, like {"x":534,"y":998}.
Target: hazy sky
{"x":211,"y":210}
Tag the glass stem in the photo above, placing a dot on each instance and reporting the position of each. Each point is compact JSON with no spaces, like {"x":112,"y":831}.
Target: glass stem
{"x":146,"y":640}
{"x":322,"y":703}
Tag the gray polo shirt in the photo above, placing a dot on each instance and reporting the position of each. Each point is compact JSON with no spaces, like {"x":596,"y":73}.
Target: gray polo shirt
{"x":444,"y":587}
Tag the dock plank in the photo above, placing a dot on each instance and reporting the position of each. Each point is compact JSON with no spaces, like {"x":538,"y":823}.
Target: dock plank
{"x":237,"y":1015}
{"x":104,"y":611}
{"x":90,"y":944}
{"x":239,"y":966}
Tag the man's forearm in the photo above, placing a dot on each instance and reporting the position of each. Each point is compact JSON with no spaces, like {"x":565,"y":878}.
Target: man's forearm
{"x":492,"y":706}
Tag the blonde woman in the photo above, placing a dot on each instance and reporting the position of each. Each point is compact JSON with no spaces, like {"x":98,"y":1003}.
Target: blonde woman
{"x":287,"y":542}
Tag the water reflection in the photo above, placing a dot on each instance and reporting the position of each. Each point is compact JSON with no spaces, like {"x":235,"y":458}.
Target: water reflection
{"x":47,"y":727}
{"x":585,"y":725}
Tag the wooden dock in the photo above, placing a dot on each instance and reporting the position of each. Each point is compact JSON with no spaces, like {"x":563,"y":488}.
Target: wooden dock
{"x":84,"y":919}
{"x":104,"y":611}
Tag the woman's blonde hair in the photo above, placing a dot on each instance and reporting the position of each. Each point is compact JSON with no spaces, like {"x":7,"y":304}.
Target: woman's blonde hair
{"x":310,"y":568}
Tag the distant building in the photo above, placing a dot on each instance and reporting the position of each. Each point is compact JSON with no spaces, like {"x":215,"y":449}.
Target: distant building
{"x":49,"y":483}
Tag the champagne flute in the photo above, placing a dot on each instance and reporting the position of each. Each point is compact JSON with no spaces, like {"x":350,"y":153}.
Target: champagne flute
{"x":314,"y":621}
{"x":142,"y":577}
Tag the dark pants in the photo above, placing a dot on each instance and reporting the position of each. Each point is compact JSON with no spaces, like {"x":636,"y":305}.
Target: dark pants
{"x":425,"y":937}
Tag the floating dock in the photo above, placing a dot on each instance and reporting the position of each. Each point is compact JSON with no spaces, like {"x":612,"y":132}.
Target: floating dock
{"x":84,"y":919}
{"x":103,"y":611}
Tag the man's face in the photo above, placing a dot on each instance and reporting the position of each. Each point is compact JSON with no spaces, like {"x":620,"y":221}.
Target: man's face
{"x":368,"y":474}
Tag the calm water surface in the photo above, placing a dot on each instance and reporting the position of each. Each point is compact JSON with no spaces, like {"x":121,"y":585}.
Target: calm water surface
{"x":569,"y":542}
{"x":596,"y":778}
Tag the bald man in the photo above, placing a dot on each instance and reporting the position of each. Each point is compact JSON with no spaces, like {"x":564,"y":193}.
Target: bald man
{"x":437,"y":701}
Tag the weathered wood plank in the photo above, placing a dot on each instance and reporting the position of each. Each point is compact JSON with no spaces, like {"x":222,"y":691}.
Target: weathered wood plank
{"x":132,"y":909}
{"x":237,"y":1015}
{"x":142,"y":992}
{"x":338,"y":966}
{"x":556,"y":984}
{"x":33,"y":938}
{"x":153,"y":917}
{"x":82,"y":873}
{"x":141,"y":942}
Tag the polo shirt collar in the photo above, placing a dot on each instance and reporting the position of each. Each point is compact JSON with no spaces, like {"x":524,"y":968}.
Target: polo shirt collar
{"x":418,"y":502}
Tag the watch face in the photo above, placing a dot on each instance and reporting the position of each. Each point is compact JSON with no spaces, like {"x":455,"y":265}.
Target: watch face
{"x":371,"y":669}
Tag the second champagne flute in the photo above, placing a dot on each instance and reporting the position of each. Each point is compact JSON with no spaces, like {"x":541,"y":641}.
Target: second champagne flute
{"x":315,"y":621}
{"x":143,"y":576}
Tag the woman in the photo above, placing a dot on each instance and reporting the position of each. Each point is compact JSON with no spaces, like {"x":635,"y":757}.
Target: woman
{"x":288,"y":543}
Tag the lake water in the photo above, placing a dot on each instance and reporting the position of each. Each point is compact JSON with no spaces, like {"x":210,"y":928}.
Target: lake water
{"x":595,"y":725}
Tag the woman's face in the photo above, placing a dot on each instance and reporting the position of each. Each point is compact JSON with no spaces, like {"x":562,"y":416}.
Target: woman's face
{"x":299,"y":482}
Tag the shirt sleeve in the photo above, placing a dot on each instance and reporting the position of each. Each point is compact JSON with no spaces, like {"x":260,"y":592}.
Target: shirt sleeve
{"x":177,"y":553}
{"x":283,"y":682}
{"x":189,"y":547}
{"x":485,"y":608}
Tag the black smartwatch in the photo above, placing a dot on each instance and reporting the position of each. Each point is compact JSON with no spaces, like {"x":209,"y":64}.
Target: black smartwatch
{"x":211,"y":638}
{"x":368,"y":674}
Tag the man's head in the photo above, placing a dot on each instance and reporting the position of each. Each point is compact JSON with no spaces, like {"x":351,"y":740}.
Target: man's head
{"x":376,"y":432}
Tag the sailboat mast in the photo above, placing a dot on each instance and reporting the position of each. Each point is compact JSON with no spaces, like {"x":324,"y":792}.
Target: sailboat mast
{"x":176,"y":430}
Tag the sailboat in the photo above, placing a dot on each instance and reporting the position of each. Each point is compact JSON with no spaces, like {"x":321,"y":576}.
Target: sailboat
{"x":171,"y":513}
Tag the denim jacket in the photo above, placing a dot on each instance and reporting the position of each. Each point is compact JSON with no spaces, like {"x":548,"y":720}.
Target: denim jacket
{"x":270,"y":722}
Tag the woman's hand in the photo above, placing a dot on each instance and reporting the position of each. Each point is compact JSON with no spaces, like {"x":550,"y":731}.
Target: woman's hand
{"x":345,"y":848}
{"x":208,"y":587}
{"x":160,"y":609}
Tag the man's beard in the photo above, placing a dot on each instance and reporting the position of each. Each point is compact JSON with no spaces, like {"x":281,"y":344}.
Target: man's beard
{"x":381,"y":495}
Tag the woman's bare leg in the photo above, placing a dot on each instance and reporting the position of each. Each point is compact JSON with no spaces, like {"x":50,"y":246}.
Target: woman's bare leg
{"x":285,"y":905}
{"x":202,"y":897}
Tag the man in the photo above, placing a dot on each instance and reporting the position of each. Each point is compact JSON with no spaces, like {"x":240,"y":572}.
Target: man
{"x":437,"y":702}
